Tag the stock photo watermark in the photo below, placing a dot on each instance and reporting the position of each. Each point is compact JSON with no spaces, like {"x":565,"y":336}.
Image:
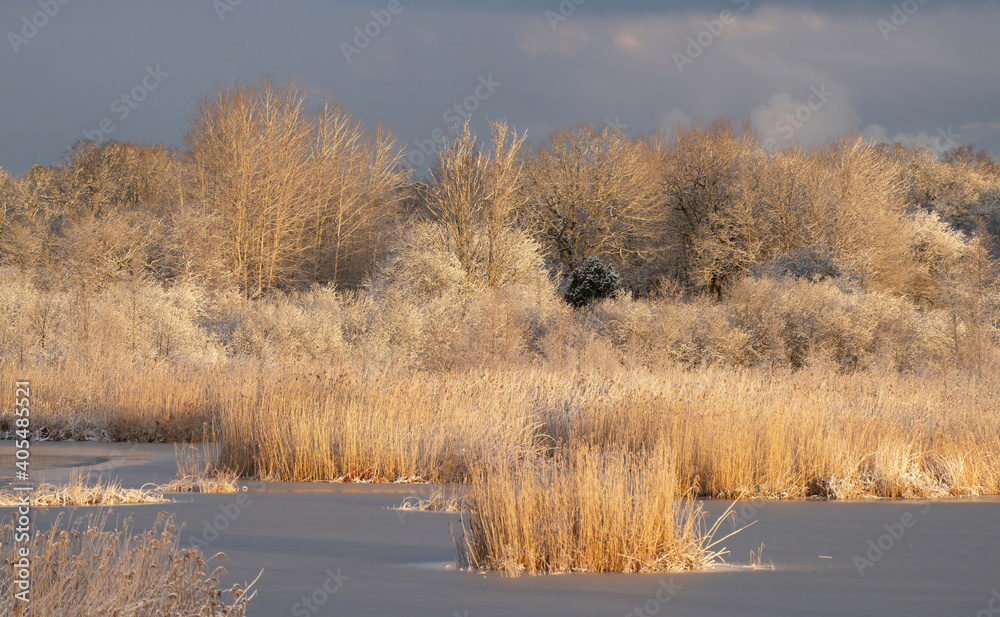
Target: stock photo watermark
{"x":212,"y":529}
{"x":945,"y":140}
{"x":370,"y":30}
{"x":33,"y":24}
{"x":616,"y":124}
{"x":792,"y":121}
{"x":461,"y":111}
{"x":566,"y":9}
{"x":901,"y":14}
{"x":992,"y":606}
{"x":879,"y":547}
{"x":21,"y":569}
{"x":745,"y":514}
{"x":714,"y":28}
{"x":663,"y":596}
{"x":223,"y":7}
{"x":309,"y":605}
{"x":127,"y":102}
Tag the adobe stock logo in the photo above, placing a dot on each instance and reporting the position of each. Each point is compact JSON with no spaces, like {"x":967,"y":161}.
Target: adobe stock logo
{"x":365,"y":34}
{"x":428,"y":147}
{"x":222,"y":8}
{"x":127,"y":102}
{"x":714,"y":28}
{"x":314,"y":602}
{"x":213,"y":528}
{"x":796,"y":119}
{"x":992,"y":607}
{"x":566,"y":10}
{"x":878,"y":548}
{"x":30,"y":27}
{"x":901,"y":14}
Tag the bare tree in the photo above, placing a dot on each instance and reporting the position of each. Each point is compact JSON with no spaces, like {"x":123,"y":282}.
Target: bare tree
{"x":706,"y":178}
{"x":298,"y":194}
{"x":590,"y":194}
{"x":474,"y":196}
{"x":357,"y":183}
{"x":859,"y":200}
{"x":27,"y":217}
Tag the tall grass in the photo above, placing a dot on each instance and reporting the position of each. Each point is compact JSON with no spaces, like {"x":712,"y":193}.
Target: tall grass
{"x":731,"y":431}
{"x":84,"y":569}
{"x":585,"y":510}
{"x":812,"y":433}
{"x":370,"y":424}
{"x":114,"y":401}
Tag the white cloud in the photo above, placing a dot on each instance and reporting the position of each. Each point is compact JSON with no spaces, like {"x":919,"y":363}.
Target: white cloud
{"x":673,"y":118}
{"x":942,"y":140}
{"x":814,"y":114}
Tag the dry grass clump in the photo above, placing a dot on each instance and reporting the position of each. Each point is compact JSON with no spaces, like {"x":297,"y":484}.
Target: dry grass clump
{"x":84,"y":569}
{"x":78,"y":492}
{"x":196,"y":473}
{"x":439,"y":500}
{"x":585,"y":510}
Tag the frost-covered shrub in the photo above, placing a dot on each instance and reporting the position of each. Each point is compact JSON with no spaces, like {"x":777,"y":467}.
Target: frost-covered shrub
{"x":936,"y":245}
{"x":146,"y":321}
{"x":591,"y":280}
{"x":813,"y":263}
{"x":293,"y":326}
{"x":937,"y":248}
{"x":796,"y":321}
{"x":425,"y":306}
{"x":424,"y":264}
{"x":420,"y":266}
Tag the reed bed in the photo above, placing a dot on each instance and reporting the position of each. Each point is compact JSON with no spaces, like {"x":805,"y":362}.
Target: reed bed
{"x":732,"y":432}
{"x":373,"y":424}
{"x":109,"y":401}
{"x":812,"y":433}
{"x":585,"y":510}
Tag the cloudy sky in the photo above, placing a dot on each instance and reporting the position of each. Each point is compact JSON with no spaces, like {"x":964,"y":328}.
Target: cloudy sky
{"x":919,"y":70}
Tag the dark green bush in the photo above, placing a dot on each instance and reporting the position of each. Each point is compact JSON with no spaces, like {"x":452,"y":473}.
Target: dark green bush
{"x":590,"y":281}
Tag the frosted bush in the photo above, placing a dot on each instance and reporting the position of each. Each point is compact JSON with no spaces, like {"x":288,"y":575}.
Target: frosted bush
{"x":591,"y":280}
{"x":298,"y":326}
{"x":149,"y":323}
{"x":799,"y":321}
{"x":424,"y":264}
{"x":421,"y":266}
{"x":936,"y":245}
{"x":629,"y":324}
{"x":816,"y":262}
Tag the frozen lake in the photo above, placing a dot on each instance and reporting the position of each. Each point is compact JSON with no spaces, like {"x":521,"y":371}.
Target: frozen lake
{"x":878,"y":558}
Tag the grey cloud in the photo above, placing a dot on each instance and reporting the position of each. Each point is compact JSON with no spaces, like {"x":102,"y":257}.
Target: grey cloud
{"x":608,"y":60}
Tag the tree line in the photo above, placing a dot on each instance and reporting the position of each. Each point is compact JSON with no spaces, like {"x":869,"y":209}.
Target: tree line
{"x":269,"y":194}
